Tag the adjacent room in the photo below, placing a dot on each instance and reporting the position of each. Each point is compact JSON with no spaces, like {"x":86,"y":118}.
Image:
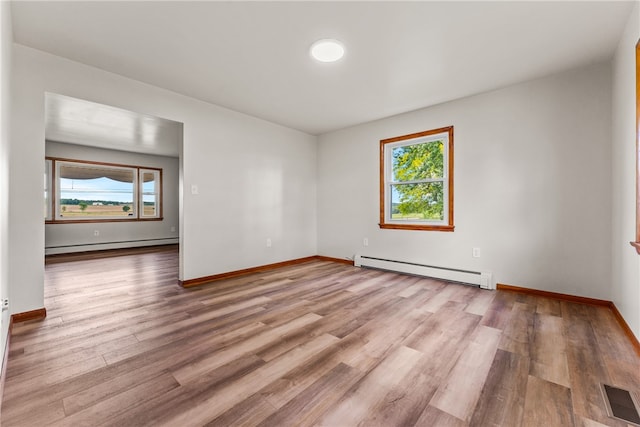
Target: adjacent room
{"x":101,"y":163}
{"x":320,"y":213}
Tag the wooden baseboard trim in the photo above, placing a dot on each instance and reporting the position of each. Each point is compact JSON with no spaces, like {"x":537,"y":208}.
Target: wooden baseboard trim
{"x":331,"y":259}
{"x":580,"y":300}
{"x":40,"y":313}
{"x":202,"y":280}
{"x":625,"y":327}
{"x":554,"y":295}
{"x":3,"y":370}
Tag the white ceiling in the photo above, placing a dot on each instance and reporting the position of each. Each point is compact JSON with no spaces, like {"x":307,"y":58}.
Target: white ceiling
{"x":253,"y":56}
{"x":76,"y":121}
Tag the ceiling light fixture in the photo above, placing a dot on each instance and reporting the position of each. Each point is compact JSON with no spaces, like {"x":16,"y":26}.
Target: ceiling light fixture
{"x":327,"y":50}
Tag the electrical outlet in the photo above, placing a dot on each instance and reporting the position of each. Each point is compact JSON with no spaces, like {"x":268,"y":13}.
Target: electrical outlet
{"x":365,"y":242}
{"x":96,"y":232}
{"x":476,"y":252}
{"x":5,"y":304}
{"x":173,"y":229}
{"x":194,"y":189}
{"x":268,"y":243}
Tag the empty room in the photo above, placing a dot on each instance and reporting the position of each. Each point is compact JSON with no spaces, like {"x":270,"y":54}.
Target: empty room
{"x":232,"y":213}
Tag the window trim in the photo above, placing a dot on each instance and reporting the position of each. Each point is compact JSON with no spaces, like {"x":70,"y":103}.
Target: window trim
{"x":54,"y":205}
{"x":48,"y":189}
{"x":447,"y":224}
{"x":636,"y":243}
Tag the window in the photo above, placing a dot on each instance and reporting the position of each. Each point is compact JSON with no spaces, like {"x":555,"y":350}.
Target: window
{"x":149,"y":195}
{"x":92,"y":191}
{"x":416,"y":181}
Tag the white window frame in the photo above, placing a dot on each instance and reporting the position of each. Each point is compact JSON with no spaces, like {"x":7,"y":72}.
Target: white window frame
{"x":387,"y":183}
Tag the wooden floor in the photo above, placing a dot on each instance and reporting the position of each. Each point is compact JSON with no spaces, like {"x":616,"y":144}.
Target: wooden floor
{"x":319,"y":343}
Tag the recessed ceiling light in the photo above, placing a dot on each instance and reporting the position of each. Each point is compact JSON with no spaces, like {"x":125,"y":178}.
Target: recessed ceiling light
{"x":327,"y":50}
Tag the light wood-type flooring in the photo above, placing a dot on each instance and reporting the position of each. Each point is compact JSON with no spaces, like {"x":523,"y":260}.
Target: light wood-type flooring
{"x":319,"y":343}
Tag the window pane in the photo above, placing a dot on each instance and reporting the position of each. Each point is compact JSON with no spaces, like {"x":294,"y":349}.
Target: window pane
{"x":150,"y":205}
{"x":424,"y":201}
{"x":90,"y":192}
{"x":418,"y":161}
{"x":150,"y":183}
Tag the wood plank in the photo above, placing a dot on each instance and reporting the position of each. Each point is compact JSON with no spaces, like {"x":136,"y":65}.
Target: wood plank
{"x":378,"y":344}
{"x":518,"y":334}
{"x":444,"y":332}
{"x":118,"y":403}
{"x":444,"y":295}
{"x":20,"y":385}
{"x":500,"y":311}
{"x":460,"y":392}
{"x":432,"y":417}
{"x":249,"y":412}
{"x":241,"y":328}
{"x":549,"y":306}
{"x":155,"y":332}
{"x":217,"y":359}
{"x":501,"y":402}
{"x":405,"y":402}
{"x":109,"y":388}
{"x":39,"y":416}
{"x":366,"y":394}
{"x":161,"y":407}
{"x":316,"y":399}
{"x":410,"y":291}
{"x":548,"y":350}
{"x":246,"y":386}
{"x":480,"y":303}
{"x":364,"y":347}
{"x":547,"y":404}
{"x":585,"y":422}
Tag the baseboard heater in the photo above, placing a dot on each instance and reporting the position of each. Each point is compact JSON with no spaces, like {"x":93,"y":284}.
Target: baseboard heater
{"x":123,"y":244}
{"x":483,"y":279}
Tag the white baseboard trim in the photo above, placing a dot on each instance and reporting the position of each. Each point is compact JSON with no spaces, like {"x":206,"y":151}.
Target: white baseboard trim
{"x":67,"y":249}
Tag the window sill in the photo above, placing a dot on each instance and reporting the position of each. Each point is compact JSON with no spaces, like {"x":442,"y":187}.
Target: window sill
{"x":636,"y":245}
{"x":447,"y":228}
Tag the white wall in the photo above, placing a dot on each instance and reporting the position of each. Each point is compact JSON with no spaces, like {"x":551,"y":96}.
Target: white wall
{"x":63,"y":238}
{"x":532,"y":185}
{"x":6,"y":41}
{"x":625,"y":260}
{"x":256,"y":179}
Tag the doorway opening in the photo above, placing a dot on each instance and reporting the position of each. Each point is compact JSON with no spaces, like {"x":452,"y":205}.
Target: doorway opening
{"x":111,"y":179}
